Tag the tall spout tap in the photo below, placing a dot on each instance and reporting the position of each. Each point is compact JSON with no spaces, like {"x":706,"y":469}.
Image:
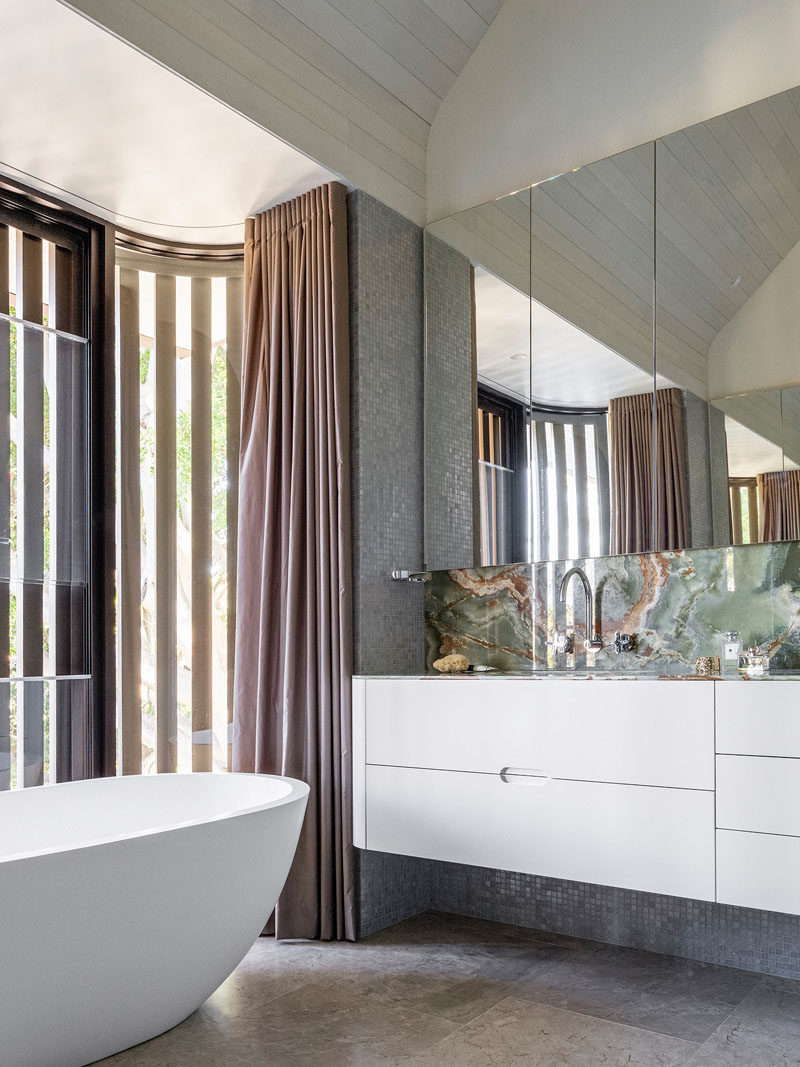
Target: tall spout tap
{"x":593,"y":640}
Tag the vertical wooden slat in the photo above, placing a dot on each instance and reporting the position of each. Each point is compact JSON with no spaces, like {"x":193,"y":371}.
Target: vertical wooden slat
{"x":603,"y":486}
{"x":483,"y":488}
{"x":581,"y":489}
{"x":202,"y":748}
{"x":166,"y":532}
{"x":736,"y":513}
{"x":544,"y":491}
{"x":491,"y":421}
{"x":130,"y":586}
{"x":5,"y":509}
{"x":234,"y":311}
{"x":752,"y":509}
{"x":165,"y":524}
{"x":30,"y":415}
{"x":560,"y":503}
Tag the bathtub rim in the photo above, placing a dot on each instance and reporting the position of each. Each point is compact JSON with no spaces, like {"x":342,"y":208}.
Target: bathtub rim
{"x":298,"y":791}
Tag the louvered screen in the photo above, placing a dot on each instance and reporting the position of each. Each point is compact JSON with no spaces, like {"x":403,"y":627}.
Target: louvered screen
{"x":180,"y":330}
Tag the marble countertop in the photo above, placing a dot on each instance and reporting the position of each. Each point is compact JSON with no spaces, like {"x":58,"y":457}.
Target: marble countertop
{"x":590,"y":675}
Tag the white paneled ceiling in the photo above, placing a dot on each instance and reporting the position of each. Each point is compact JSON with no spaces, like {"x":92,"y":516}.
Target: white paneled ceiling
{"x":90,"y":118}
{"x":749,"y":453}
{"x":353,"y":83}
{"x":569,"y":368}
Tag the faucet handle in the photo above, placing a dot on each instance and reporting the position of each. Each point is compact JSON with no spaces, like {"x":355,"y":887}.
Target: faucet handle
{"x":623,"y":642}
{"x":562,"y":642}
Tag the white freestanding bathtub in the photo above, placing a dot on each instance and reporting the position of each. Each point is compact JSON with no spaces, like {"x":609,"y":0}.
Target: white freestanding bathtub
{"x":125,"y":902}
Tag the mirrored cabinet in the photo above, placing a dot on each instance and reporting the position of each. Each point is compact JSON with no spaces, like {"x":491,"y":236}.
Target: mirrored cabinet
{"x":612,"y":356}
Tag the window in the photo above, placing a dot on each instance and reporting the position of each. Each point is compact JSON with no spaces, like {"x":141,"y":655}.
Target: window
{"x":179,"y":357}
{"x":557,"y":460}
{"x":56,"y":443}
{"x":744,"y":503}
{"x":569,"y":466}
{"x":501,"y":479}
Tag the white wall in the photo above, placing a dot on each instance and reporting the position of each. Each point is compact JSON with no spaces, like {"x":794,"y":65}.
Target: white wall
{"x":556,"y":84}
{"x":759,"y":348}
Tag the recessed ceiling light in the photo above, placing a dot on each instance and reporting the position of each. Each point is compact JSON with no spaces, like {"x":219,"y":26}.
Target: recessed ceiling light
{"x":518,"y":356}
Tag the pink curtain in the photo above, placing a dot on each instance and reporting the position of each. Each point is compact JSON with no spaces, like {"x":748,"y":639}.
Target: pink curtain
{"x":294,"y":615}
{"x":634,"y":527}
{"x":779,"y":505}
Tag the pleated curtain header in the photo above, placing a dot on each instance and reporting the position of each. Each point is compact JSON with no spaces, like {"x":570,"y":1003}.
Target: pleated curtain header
{"x":326,"y":200}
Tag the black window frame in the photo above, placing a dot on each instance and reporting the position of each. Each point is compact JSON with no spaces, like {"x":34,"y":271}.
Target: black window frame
{"x":514,"y":414}
{"x":51,"y":219}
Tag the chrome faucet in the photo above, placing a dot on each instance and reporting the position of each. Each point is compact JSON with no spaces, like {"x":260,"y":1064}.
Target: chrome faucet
{"x":593,"y":640}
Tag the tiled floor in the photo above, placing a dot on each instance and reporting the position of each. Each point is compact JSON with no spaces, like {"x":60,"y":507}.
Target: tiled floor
{"x":448,"y":991}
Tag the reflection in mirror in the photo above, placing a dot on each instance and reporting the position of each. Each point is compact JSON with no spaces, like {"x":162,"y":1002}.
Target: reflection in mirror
{"x":592,"y":359}
{"x":544,"y":370}
{"x":477,"y":385}
{"x":728,"y":272}
{"x":763,"y":451}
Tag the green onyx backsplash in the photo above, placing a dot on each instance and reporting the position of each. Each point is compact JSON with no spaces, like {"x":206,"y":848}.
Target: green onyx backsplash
{"x":677,"y":605}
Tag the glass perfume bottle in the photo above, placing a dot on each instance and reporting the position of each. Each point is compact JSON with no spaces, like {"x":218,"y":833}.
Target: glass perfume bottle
{"x":731,"y":651}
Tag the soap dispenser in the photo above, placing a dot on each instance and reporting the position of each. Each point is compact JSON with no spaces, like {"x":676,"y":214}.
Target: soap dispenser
{"x":731,"y":650}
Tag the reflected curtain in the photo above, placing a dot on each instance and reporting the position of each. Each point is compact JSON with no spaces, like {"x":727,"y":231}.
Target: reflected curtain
{"x":779,"y":505}
{"x":634,"y":528}
{"x":294,"y":613}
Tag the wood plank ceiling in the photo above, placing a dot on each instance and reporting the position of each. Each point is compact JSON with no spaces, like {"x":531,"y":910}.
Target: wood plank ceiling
{"x":353,"y":83}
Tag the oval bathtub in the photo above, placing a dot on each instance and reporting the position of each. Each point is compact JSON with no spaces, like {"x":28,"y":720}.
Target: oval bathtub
{"x":125,"y":902}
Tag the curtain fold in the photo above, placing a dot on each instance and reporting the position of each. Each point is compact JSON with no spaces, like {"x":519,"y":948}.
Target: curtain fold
{"x":779,"y":505}
{"x":634,"y":526}
{"x":294,"y":607}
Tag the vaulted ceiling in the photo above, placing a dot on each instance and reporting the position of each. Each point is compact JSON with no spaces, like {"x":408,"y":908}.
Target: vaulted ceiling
{"x":354,"y":84}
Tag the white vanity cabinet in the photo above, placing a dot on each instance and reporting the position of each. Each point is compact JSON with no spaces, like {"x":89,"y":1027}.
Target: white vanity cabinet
{"x":758,"y":795}
{"x":604,"y":781}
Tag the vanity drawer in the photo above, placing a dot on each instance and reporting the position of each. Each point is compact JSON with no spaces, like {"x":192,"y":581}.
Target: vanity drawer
{"x":630,"y":732}
{"x":635,"y":837}
{"x":758,"y":718}
{"x":758,"y":793}
{"x":758,"y":871}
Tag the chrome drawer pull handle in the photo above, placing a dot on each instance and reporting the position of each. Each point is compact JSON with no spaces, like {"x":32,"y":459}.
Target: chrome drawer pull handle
{"x":523,"y":776}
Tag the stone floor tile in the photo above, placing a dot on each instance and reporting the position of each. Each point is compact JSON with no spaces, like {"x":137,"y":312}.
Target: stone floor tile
{"x":763,"y":1031}
{"x":520,"y":1033}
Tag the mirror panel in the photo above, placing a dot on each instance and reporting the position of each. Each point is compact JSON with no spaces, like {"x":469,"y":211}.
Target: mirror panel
{"x":612,"y":355}
{"x":763,"y":446}
{"x":727,"y":232}
{"x":477,"y":384}
{"x":592,"y":343}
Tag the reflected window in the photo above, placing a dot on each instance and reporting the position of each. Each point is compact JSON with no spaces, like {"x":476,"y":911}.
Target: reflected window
{"x":744,"y":510}
{"x":569,"y":483}
{"x":501,"y":479}
{"x":555,"y":458}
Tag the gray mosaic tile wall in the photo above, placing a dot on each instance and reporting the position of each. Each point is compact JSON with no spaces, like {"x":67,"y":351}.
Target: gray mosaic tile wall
{"x":762,"y":941}
{"x":714,"y":933}
{"x":450,"y":408}
{"x":391,"y":888}
{"x":707,"y":472}
{"x":386,"y":353}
